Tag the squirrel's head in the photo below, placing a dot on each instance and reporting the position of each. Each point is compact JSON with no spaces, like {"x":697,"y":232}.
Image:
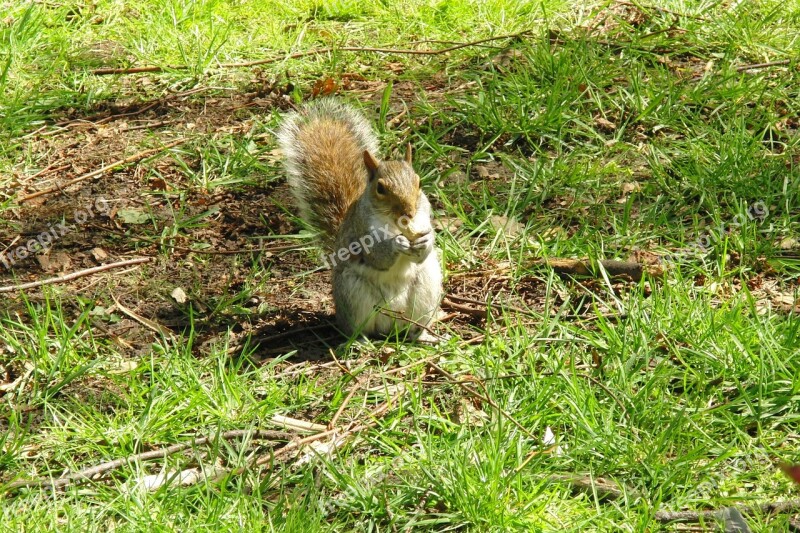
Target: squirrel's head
{"x":394,"y":187}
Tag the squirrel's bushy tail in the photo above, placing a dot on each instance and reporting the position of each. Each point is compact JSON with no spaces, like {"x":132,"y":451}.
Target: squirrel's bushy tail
{"x":323,"y":146}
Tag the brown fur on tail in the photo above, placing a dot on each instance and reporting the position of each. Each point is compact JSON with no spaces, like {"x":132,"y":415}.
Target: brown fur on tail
{"x":323,"y":146}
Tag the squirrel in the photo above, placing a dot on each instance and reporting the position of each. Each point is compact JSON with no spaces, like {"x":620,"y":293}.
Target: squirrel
{"x":372,"y":216}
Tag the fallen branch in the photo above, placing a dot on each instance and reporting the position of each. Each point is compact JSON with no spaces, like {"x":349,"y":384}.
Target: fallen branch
{"x":74,"y":275}
{"x":754,"y":66}
{"x":429,"y":52}
{"x":448,"y":303}
{"x":604,"y":489}
{"x":260,"y":249}
{"x":89,"y":473}
{"x":50,"y":168}
{"x":356,"y":386}
{"x":304,"y":367}
{"x":339,"y":439}
{"x":285,"y":247}
{"x":575,"y":267}
{"x":269,"y":339}
{"x":130,"y":111}
{"x":788,"y":506}
{"x":338,"y":433}
{"x":146,"y":322}
{"x":135,"y":157}
{"x":460,"y":300}
{"x":662,"y":10}
{"x":296,"y":424}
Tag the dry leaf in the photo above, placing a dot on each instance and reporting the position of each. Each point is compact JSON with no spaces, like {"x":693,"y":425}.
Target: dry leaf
{"x":631,"y":186}
{"x":57,"y":262}
{"x":158,"y":184}
{"x":324,"y":87}
{"x":124,"y":367}
{"x":605,"y":125}
{"x":450,"y":224}
{"x":99,"y":254}
{"x":468,"y":414}
{"x":179,"y":295}
{"x":508,"y":226}
{"x":274,"y":156}
{"x":133,"y":216}
{"x":395,"y":67}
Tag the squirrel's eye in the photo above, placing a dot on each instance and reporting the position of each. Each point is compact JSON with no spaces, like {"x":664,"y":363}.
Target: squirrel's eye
{"x":381,"y":189}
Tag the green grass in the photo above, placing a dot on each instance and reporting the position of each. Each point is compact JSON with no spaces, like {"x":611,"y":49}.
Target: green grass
{"x":606,"y":131}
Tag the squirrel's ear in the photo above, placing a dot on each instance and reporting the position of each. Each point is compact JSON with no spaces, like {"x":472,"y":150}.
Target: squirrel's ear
{"x":370,"y":161}
{"x":408,"y":153}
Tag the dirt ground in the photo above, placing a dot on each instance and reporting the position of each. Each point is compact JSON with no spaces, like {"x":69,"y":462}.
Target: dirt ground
{"x":94,"y":222}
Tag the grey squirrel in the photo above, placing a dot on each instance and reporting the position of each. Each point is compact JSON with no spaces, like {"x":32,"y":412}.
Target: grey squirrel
{"x":373,"y":218}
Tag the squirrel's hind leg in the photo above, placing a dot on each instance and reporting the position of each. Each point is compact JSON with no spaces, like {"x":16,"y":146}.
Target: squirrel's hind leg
{"x":357,"y":304}
{"x":427,"y":337}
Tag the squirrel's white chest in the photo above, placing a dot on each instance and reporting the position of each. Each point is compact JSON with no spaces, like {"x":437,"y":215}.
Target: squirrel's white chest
{"x":395,"y":281}
{"x":369,"y":301}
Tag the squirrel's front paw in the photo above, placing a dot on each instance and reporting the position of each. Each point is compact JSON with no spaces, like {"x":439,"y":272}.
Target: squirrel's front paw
{"x":421,"y":247}
{"x":402,"y":244}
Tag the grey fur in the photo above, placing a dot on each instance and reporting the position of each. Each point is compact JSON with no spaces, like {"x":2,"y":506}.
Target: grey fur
{"x":288,"y":140}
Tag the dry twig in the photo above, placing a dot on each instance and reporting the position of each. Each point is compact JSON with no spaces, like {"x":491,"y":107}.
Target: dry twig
{"x":345,"y":402}
{"x":614,"y":268}
{"x":146,"y":322}
{"x":754,"y":66}
{"x":74,"y":275}
{"x":788,"y":506}
{"x":89,"y":473}
{"x":430,"y":52}
{"x":338,"y":433}
{"x":662,"y":10}
{"x":131,"y":159}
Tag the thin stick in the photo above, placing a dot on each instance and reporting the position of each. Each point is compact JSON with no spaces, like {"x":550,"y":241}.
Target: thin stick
{"x":584,"y":267}
{"x":429,"y":52}
{"x":297,"y":444}
{"x":256,"y":341}
{"x":788,"y":506}
{"x":149,"y":324}
{"x":663,"y":10}
{"x":288,"y":422}
{"x":99,"y":171}
{"x":88,"y":473}
{"x":466,"y":309}
{"x":742,"y":68}
{"x":261,"y":249}
{"x":143,"y":107}
{"x":345,"y":402}
{"x":74,"y":275}
{"x":489,"y":305}
{"x":608,"y":391}
{"x":395,"y":315}
{"x":418,"y":362}
{"x":604,"y":489}
{"x":301,"y":368}
{"x":50,"y":168}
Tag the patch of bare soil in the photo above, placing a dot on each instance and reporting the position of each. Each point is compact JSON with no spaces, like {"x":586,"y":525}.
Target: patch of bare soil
{"x":218,"y":247}
{"x":201,"y":241}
